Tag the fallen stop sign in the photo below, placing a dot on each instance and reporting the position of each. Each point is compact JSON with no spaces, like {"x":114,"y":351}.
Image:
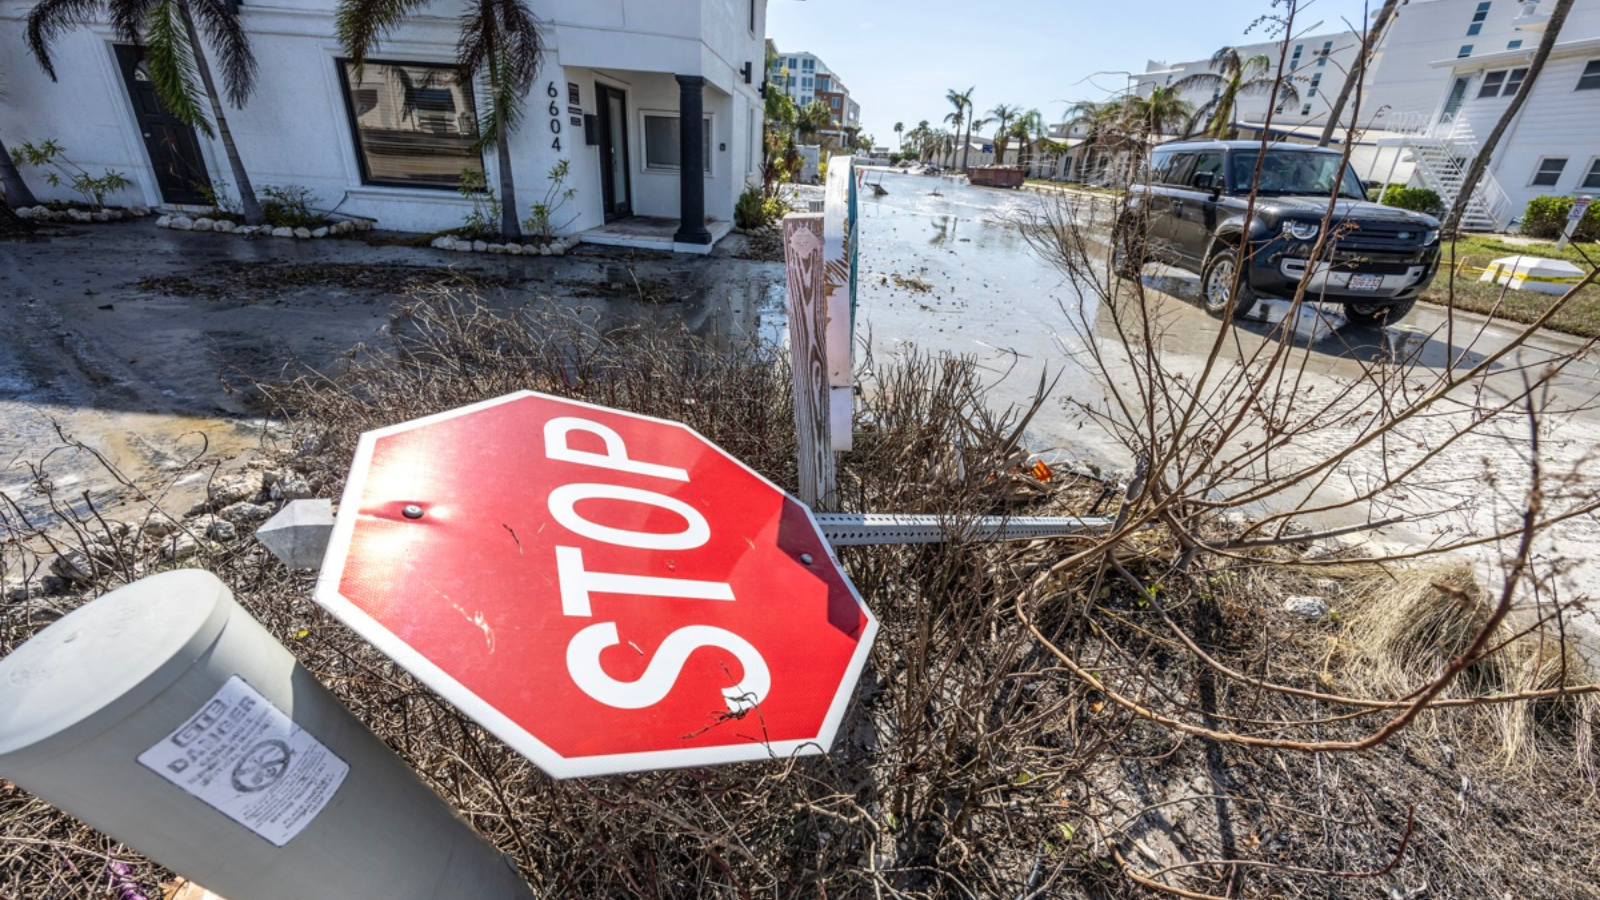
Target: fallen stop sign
{"x":606,"y":592}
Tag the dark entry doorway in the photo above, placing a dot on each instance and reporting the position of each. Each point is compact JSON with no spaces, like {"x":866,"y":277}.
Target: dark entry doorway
{"x":614,"y":187}
{"x":171,"y":145}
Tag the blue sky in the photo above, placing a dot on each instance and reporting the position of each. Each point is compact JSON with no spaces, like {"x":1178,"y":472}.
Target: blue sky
{"x":898,"y":57}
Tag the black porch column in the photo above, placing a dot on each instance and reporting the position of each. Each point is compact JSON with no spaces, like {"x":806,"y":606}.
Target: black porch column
{"x":692,"y":155}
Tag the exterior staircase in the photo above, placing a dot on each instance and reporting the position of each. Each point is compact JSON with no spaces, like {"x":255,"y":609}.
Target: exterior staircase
{"x":1442,"y":161}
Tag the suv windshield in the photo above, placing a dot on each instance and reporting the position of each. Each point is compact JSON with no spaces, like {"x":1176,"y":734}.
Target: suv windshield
{"x":1295,"y":172}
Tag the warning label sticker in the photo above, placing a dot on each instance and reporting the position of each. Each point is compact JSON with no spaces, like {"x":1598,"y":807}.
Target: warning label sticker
{"x":248,"y":760}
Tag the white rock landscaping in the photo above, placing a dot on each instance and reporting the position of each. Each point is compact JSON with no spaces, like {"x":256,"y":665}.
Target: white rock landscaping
{"x":557,"y":247}
{"x":228,"y":226}
{"x":46,"y":214}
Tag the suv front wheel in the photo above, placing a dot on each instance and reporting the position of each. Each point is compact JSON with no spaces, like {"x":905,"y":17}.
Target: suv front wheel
{"x":1217,"y":282}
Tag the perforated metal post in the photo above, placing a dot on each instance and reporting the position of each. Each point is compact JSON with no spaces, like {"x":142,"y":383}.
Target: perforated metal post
{"x":857,"y":529}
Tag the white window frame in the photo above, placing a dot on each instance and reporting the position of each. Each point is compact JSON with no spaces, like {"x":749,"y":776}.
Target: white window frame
{"x":1505,"y":88}
{"x":1582,"y":75}
{"x":1538,"y":169}
{"x":1592,"y":172}
{"x":646,"y":167}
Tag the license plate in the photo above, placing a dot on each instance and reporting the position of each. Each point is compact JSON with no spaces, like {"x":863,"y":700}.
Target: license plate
{"x":1360,"y":282}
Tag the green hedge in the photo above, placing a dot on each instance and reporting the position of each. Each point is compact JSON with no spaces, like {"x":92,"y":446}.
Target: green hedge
{"x":1546,"y":217}
{"x":1419,"y":200}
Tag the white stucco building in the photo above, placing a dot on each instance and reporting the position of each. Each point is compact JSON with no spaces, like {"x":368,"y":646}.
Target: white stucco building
{"x":391,"y":142}
{"x":1449,"y":68}
{"x":1442,"y":74}
{"x":1315,"y":64}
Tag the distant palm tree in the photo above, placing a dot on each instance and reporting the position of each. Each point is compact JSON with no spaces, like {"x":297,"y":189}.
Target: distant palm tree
{"x":899,"y":136}
{"x":813,"y":118}
{"x":1003,"y":116}
{"x":962,"y":101}
{"x":1233,"y":76}
{"x":1106,"y":132}
{"x":174,"y":57}
{"x":1030,"y":131}
{"x":974,"y":123}
{"x":16,"y":190}
{"x":498,"y":39}
{"x":1163,"y":112}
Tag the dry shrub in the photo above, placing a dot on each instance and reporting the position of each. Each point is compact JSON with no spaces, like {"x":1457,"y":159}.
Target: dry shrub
{"x":970,"y":764}
{"x":1405,"y":624}
{"x":1409,"y":622}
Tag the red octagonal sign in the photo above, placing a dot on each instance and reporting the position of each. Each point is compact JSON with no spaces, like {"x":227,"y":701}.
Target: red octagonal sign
{"x":605,"y":591}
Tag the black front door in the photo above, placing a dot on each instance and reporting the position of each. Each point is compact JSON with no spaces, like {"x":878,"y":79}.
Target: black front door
{"x":174,"y":152}
{"x":614,"y":190}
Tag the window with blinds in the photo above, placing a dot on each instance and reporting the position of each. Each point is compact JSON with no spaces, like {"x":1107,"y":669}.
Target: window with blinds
{"x":414,"y":124}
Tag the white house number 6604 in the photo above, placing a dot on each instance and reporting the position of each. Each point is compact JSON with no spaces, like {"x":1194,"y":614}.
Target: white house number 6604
{"x":555,"y":116}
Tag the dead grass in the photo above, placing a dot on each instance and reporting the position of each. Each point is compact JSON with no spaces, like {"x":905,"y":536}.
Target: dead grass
{"x":1471,"y":252}
{"x":969,"y":765}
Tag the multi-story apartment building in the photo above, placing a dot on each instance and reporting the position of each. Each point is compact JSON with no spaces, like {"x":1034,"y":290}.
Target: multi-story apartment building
{"x":1441,"y":76}
{"x":1316,"y":65}
{"x":391,"y":141}
{"x":805,"y":78}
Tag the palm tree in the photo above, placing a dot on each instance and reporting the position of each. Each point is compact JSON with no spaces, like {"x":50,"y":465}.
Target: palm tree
{"x":812,"y":118}
{"x":1369,"y":44}
{"x":962,"y":101}
{"x":1163,"y":112}
{"x":1480,"y":163}
{"x":498,"y":39}
{"x":1233,"y":76}
{"x":1106,"y":124}
{"x":973,"y":124}
{"x":1003,"y":116}
{"x":899,"y":136}
{"x":1030,"y":131}
{"x":174,"y":56}
{"x":15,"y":189}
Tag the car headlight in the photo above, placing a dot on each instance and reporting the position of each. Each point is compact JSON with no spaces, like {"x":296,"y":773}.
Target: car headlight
{"x":1301,"y":231}
{"x":1432,"y":237}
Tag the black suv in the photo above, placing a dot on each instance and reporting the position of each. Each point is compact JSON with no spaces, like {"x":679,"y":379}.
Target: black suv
{"x":1190,"y":210}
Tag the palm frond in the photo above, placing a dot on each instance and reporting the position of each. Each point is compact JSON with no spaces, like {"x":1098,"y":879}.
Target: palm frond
{"x":169,"y":58}
{"x":227,"y":36}
{"x":48,"y":20}
{"x":500,"y":40}
{"x":1281,"y":90}
{"x":1199,"y":81}
{"x":127,"y":18}
{"x":360,"y":24}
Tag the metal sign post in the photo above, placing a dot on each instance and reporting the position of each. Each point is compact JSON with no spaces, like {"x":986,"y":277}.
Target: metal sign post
{"x":1580,"y":207}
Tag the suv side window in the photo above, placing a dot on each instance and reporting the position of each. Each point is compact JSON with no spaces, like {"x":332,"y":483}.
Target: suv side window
{"x":1207,"y":163}
{"x":1159,"y":162}
{"x":1177,"y":174}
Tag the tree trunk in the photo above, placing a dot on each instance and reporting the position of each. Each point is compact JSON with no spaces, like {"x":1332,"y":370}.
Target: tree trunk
{"x":1359,"y":70}
{"x":966,"y":145}
{"x":16,"y":190}
{"x":510,"y":229}
{"x":241,"y":179}
{"x":1480,"y":163}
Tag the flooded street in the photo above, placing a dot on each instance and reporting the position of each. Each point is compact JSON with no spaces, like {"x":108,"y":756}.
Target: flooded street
{"x":987,"y":294}
{"x":144,"y":344}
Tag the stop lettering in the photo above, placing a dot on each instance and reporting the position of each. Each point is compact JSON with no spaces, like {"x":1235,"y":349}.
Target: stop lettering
{"x":604,"y":591}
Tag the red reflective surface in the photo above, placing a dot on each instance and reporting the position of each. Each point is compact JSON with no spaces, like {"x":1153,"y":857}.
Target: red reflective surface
{"x":472,"y":585}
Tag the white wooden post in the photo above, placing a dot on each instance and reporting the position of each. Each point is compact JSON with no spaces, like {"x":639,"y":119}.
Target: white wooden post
{"x":838,"y":232}
{"x":802,"y":259}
